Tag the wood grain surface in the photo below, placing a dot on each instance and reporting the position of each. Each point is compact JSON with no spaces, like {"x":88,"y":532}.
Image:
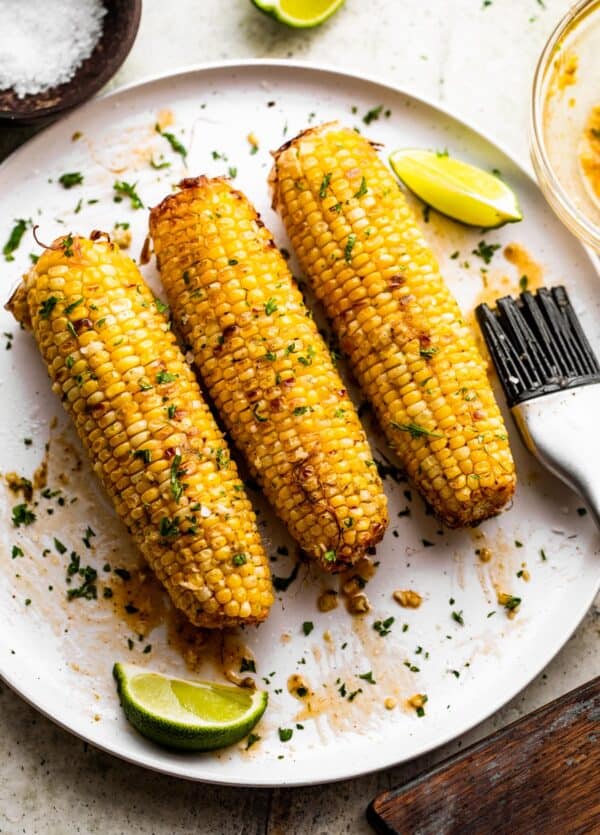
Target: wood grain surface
{"x":538,"y":775}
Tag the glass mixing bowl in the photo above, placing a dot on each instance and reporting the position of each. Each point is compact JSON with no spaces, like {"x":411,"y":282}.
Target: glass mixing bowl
{"x":565,"y":127}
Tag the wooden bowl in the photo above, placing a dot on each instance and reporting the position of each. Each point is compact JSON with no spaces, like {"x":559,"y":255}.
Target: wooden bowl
{"x":120,"y":25}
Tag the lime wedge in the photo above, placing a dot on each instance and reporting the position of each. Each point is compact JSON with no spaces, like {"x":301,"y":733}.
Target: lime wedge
{"x":191,"y":715}
{"x":457,"y":189}
{"x":301,"y":14}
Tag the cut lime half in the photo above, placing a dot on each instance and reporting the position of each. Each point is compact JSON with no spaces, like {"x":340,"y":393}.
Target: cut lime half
{"x":457,"y":189}
{"x":301,"y":14}
{"x":190,"y":715}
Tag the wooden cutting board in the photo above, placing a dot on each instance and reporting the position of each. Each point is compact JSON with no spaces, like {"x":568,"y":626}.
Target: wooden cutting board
{"x":539,"y":775}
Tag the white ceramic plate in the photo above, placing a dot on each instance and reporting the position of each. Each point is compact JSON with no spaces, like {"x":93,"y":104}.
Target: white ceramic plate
{"x":58,"y":655}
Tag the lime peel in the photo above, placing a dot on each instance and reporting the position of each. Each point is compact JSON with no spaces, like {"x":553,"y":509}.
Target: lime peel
{"x":300,"y":14}
{"x":187,"y":715}
{"x":456,"y":188}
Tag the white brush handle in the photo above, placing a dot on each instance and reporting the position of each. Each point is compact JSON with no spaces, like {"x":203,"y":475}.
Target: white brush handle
{"x":562,"y":430}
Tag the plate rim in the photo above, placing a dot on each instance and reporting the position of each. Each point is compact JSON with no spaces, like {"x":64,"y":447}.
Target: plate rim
{"x":143,"y":759}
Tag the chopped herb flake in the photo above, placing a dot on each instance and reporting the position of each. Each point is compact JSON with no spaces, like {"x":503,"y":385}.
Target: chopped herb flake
{"x":123,"y":189}
{"x":22,"y":515}
{"x":349,"y":247}
{"x":73,"y":178}
{"x":173,"y":141}
{"x":14,"y":239}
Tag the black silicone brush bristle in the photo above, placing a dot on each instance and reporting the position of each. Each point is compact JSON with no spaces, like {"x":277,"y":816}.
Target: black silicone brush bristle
{"x":537,"y":344}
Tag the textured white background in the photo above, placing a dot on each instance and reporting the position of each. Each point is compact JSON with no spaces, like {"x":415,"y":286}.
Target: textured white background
{"x":478,"y":61}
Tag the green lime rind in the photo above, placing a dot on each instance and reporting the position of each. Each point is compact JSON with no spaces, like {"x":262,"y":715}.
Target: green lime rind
{"x":457,"y":189}
{"x":169,"y":710}
{"x":274,"y":10}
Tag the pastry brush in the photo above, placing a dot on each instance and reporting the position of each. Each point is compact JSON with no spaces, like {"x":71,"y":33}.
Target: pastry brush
{"x":551,"y":379}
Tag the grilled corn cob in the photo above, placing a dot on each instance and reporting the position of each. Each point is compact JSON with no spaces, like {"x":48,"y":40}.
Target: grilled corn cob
{"x":409,"y":346}
{"x":268,"y":370}
{"x":151,"y":438}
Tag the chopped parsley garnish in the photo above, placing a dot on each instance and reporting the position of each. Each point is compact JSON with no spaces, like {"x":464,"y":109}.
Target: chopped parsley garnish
{"x":349,"y":247}
{"x":329,"y":556}
{"x":325,"y":185}
{"x":543,"y":555}
{"x":307,"y":360}
{"x":160,"y":305}
{"x":47,"y":306}
{"x":368,"y":677}
{"x":414,"y":430}
{"x":123,"y":189}
{"x":285,"y":734}
{"x":232,"y":171}
{"x":270,"y":356}
{"x":87,"y":590}
{"x":166,"y":377}
{"x":485,"y":251}
{"x":171,"y":411}
{"x":248,"y":665}
{"x":307,"y":627}
{"x":17,"y":552}
{"x":173,"y":141}
{"x":363,"y":188}
{"x":14,"y":239}
{"x":67,"y":243}
{"x":510,"y":602}
{"x":233,"y":262}
{"x":176,"y":473}
{"x":72,"y":178}
{"x":428,"y":352}
{"x":89,"y":533}
{"x":167,"y":528}
{"x":144,"y":454}
{"x":22,"y":515}
{"x":222,"y":459}
{"x":71,"y":307}
{"x":523,"y":283}
{"x":239,"y":559}
{"x":458,"y":617}
{"x":301,"y":410}
{"x":145,"y":385}
{"x":270,"y":306}
{"x":372,"y":115}
{"x":159,"y":165}
{"x":383,"y":627}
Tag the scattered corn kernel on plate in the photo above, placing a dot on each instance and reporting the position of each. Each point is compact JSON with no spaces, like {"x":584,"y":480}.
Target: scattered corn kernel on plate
{"x":434,"y":628}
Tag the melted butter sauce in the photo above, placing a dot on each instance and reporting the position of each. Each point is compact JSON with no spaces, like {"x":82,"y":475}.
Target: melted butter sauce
{"x":589,"y":154}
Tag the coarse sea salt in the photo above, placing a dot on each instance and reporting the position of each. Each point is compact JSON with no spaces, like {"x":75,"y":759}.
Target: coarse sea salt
{"x":43,"y":42}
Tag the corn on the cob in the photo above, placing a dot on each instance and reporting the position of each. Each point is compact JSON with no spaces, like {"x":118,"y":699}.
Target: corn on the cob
{"x":268,"y":370}
{"x":152,"y":441}
{"x":409,"y":346}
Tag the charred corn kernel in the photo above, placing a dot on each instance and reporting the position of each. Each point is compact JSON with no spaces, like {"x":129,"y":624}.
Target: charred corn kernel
{"x":327,"y":600}
{"x":268,"y":370}
{"x":407,"y":598}
{"x":410,"y":348}
{"x":151,"y":438}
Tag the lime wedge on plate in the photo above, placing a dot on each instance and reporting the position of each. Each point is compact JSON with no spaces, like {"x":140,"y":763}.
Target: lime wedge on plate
{"x":301,"y":14}
{"x":191,"y":715}
{"x":457,"y":189}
